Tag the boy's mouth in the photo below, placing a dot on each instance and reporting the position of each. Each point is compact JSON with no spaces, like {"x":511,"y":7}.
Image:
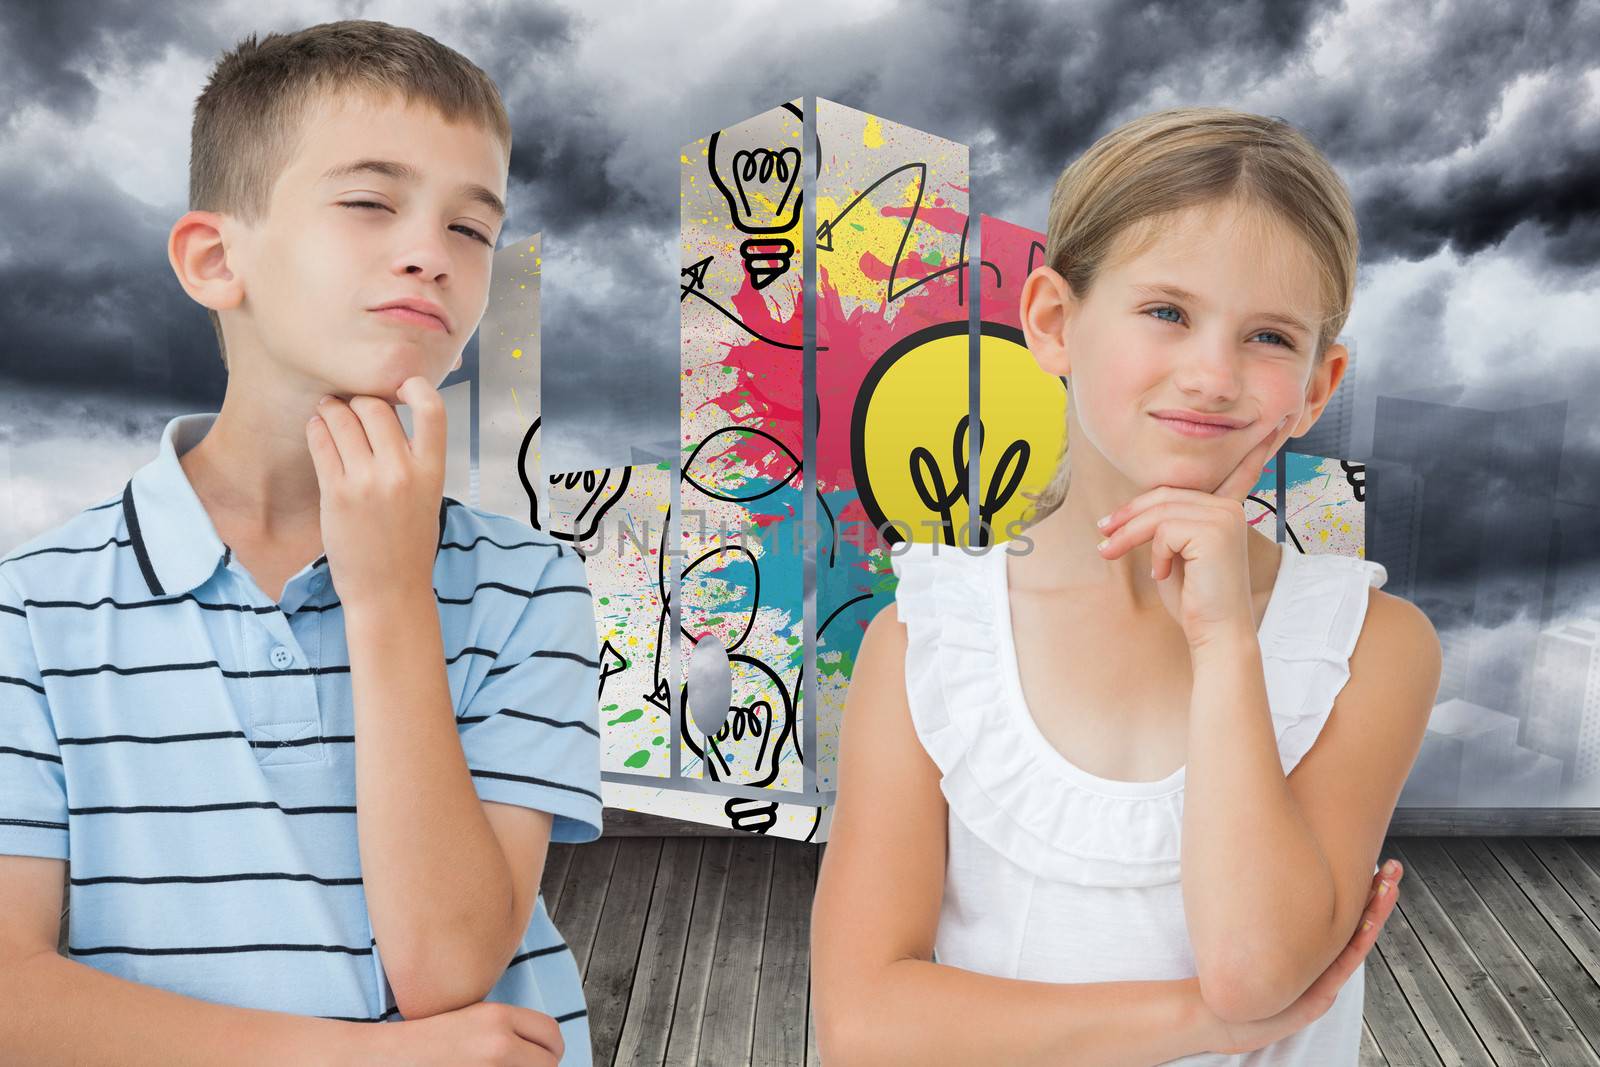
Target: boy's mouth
{"x":416,"y":312}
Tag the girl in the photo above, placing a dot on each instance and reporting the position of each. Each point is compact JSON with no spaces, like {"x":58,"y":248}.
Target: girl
{"x":1113,"y":792}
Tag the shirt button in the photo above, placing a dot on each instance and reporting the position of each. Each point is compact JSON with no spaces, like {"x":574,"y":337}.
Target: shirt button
{"x":281,"y":657}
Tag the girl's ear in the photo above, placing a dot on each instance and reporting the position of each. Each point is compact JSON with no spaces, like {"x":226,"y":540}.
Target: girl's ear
{"x":1047,"y":305}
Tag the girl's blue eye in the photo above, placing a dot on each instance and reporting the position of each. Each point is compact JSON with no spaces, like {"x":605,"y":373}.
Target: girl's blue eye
{"x":468,"y":230}
{"x":1281,"y":339}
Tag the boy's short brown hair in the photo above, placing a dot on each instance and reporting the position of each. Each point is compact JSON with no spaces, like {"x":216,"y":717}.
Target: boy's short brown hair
{"x":247,"y":119}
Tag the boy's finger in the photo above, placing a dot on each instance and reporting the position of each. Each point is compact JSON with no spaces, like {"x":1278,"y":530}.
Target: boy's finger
{"x":382,"y":427}
{"x":427,"y":417}
{"x":324,"y":456}
{"x":348,"y":436}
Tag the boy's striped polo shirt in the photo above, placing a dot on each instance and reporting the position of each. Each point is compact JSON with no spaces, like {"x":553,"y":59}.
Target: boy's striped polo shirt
{"x":189,"y":744}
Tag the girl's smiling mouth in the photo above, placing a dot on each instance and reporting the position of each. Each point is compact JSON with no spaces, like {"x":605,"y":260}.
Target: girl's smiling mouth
{"x":1193,"y":429}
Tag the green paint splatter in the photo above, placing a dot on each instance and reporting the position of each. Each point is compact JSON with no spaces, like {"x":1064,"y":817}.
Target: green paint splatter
{"x":933,"y":258}
{"x":609,"y":707}
{"x":627,"y":716}
{"x":658,"y":740}
{"x":605,"y":600}
{"x":638,"y":759}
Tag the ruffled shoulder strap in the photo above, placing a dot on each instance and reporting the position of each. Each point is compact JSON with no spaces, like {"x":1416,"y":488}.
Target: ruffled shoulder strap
{"x":1000,"y":776}
{"x":1307,"y":637}
{"x":1005,"y":781}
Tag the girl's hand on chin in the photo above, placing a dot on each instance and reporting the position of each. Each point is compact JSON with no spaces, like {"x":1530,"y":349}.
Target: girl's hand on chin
{"x":1198,"y":549}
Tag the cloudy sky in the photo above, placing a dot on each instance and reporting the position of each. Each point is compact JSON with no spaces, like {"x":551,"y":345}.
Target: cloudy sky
{"x":1470,"y":139}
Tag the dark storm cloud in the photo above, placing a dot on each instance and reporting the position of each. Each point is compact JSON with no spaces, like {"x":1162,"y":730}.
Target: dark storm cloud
{"x":1410,"y":113}
{"x":46,"y":48}
{"x":87,"y":296}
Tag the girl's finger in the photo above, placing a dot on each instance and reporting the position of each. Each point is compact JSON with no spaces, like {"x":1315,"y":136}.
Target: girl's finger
{"x":1141,"y":527}
{"x":1243,"y":478}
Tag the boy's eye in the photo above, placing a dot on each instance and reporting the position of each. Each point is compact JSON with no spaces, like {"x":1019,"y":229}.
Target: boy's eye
{"x":468,"y":230}
{"x":474,"y":234}
{"x":1281,"y":339}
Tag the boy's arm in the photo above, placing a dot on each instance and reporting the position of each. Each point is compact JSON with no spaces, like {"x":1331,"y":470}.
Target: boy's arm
{"x":58,"y":1011}
{"x":448,"y":901}
{"x":450,"y":880}
{"x":1307,"y":841}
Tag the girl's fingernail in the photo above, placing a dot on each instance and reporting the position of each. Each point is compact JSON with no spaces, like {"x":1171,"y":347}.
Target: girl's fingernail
{"x":1366,"y":924}
{"x":1102,"y":545}
{"x":1102,"y":520}
{"x":1383,"y":887}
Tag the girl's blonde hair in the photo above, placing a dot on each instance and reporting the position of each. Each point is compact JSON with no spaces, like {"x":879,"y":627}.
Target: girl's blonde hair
{"x":1167,"y":161}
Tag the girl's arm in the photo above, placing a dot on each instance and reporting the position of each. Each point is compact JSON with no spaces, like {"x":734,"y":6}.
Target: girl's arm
{"x":1304,"y":845}
{"x":877,"y":997}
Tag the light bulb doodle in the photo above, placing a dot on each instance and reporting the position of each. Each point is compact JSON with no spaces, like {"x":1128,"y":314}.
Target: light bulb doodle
{"x":1355,"y":474}
{"x":761,"y":183}
{"x":916,"y":386}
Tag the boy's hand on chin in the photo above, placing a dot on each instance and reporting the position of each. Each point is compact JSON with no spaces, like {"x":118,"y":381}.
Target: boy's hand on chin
{"x":380,"y":491}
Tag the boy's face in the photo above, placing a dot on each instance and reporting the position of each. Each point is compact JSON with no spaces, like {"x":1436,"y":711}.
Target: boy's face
{"x":1218,"y":350}
{"x":337,"y":243}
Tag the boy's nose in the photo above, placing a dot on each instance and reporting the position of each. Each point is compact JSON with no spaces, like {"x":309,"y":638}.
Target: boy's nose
{"x":424,"y":254}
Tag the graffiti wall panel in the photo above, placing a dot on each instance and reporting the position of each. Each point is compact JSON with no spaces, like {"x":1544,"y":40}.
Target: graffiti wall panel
{"x":1021,"y":408}
{"x":891,"y":375}
{"x":739,"y":527}
{"x":616,"y":519}
{"x":508,"y":385}
{"x":1324,"y":505}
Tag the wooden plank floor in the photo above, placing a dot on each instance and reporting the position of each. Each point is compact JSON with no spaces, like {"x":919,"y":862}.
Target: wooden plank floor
{"x":694,"y":950}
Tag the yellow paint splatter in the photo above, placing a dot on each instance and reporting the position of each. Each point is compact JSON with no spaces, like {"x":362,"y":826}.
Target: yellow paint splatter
{"x":516,"y":353}
{"x":872,"y":135}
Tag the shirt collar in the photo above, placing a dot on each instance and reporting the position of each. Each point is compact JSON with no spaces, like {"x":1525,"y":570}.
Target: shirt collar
{"x":173,"y":538}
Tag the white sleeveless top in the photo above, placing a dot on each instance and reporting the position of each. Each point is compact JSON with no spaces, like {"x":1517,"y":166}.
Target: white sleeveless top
{"x":1055,"y":874}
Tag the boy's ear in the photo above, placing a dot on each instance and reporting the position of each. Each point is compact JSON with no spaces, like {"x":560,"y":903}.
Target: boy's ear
{"x":199,"y":258}
{"x":1047,"y":304}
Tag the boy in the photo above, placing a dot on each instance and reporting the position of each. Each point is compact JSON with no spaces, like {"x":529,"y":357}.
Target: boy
{"x":304,"y":726}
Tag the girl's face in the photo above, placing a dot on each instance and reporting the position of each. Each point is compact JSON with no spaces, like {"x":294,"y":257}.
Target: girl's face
{"x":1216,"y":315}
